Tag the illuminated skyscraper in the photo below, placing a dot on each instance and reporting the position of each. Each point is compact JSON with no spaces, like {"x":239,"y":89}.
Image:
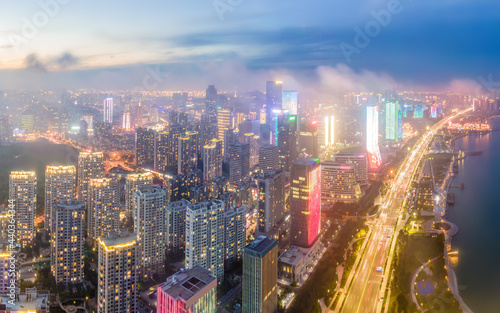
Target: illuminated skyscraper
{"x":126,"y":123}
{"x":268,"y":157}
{"x":133,"y":183}
{"x":290,"y":102}
{"x":103,"y":207}
{"x":205,"y":236}
{"x":60,"y":185}
{"x":67,"y":242}
{"x":108,"y":110}
{"x":372,"y":147}
{"x":392,"y":114}
{"x":188,"y":291}
{"x":239,"y":162}
{"x":253,"y":141}
{"x":223,"y":123}
{"x":22,"y":189}
{"x":326,"y":131}
{"x":188,"y":152}
{"x":260,"y":276}
{"x":274,"y":95}
{"x":212,"y":160}
{"x":118,"y":278}
{"x":90,"y":166}
{"x":150,"y":227}
{"x":270,"y":200}
{"x":305,"y":202}
{"x":145,"y":147}
{"x":286,"y":140}
{"x":211,"y":103}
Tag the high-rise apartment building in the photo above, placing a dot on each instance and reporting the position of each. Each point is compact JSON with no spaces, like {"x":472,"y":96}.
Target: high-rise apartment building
{"x":117,"y":275}
{"x":6,"y":261}
{"x":60,"y":185}
{"x":67,"y":241}
{"x":270,"y":200}
{"x":150,"y":227}
{"x":133,"y":183}
{"x":305,"y":202}
{"x":22,"y":189}
{"x":338,"y":182}
{"x":145,"y":147}
{"x":212,"y":160}
{"x":235,"y":233}
{"x":268,"y":158}
{"x":260,"y":276}
{"x":188,"y":152}
{"x":192,"y":290}
{"x":239,"y":162}
{"x":205,"y":236}
{"x":207,"y":132}
{"x":103,"y":207}
{"x":90,"y":166}
{"x":176,"y":226}
{"x":253,"y":141}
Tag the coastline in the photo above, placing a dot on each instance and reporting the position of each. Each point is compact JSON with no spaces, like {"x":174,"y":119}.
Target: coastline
{"x":452,"y":277}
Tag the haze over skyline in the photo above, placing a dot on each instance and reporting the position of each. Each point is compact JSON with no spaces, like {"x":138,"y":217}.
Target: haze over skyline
{"x":239,"y":45}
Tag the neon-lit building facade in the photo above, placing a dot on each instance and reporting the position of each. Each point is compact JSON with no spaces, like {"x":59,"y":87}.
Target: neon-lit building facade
{"x":305,"y":203}
{"x":108,"y":110}
{"x":392,"y":114}
{"x":372,"y":147}
{"x":188,"y":291}
{"x":433,"y":111}
{"x":328,"y":131}
{"x":289,"y":102}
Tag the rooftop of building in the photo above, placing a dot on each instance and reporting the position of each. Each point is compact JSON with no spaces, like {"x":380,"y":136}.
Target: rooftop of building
{"x":262,"y":244}
{"x":120,"y":238}
{"x":39,"y":301}
{"x":292,"y":257}
{"x":71,"y":204}
{"x":338,"y":165}
{"x":351,"y":155}
{"x":186,"y":283}
{"x":307,"y":162}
